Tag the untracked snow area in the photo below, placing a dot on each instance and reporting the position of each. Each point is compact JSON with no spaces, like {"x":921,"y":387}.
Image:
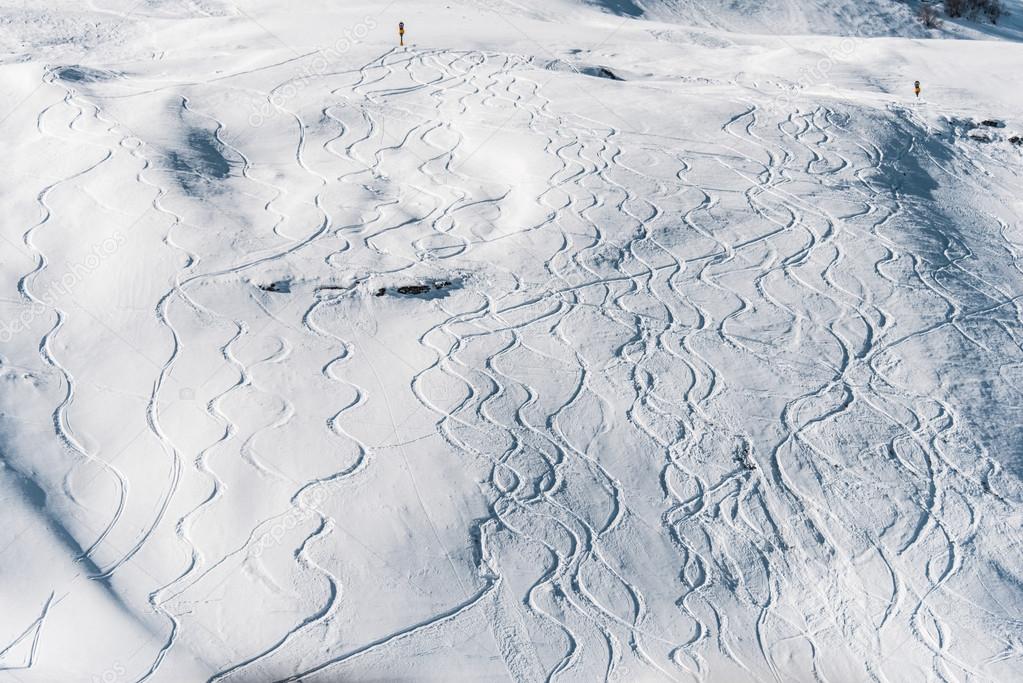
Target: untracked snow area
{"x":559,"y":344}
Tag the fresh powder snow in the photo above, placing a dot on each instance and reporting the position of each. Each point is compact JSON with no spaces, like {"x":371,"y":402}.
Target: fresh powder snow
{"x":572,"y":340}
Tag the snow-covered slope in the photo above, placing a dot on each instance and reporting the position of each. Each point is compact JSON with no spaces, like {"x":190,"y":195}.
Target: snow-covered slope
{"x":800,"y":17}
{"x":555,"y":345}
{"x":837,"y":17}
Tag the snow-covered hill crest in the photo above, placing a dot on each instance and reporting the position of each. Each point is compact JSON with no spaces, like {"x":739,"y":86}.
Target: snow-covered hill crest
{"x":786,"y":17}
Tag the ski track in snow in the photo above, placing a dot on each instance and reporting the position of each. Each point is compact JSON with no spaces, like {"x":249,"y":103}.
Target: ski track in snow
{"x":656,"y":270}
{"x":61,"y":421}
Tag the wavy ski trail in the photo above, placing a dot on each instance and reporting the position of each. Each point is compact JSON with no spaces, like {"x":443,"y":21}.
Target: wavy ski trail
{"x":656,"y":421}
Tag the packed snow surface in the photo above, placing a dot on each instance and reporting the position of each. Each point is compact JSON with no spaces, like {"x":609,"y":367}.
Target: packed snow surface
{"x":570,"y":341}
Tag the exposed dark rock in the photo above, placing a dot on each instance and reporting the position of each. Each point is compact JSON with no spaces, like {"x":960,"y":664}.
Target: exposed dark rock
{"x":432,"y":289}
{"x":279,"y":287}
{"x":414,"y":289}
